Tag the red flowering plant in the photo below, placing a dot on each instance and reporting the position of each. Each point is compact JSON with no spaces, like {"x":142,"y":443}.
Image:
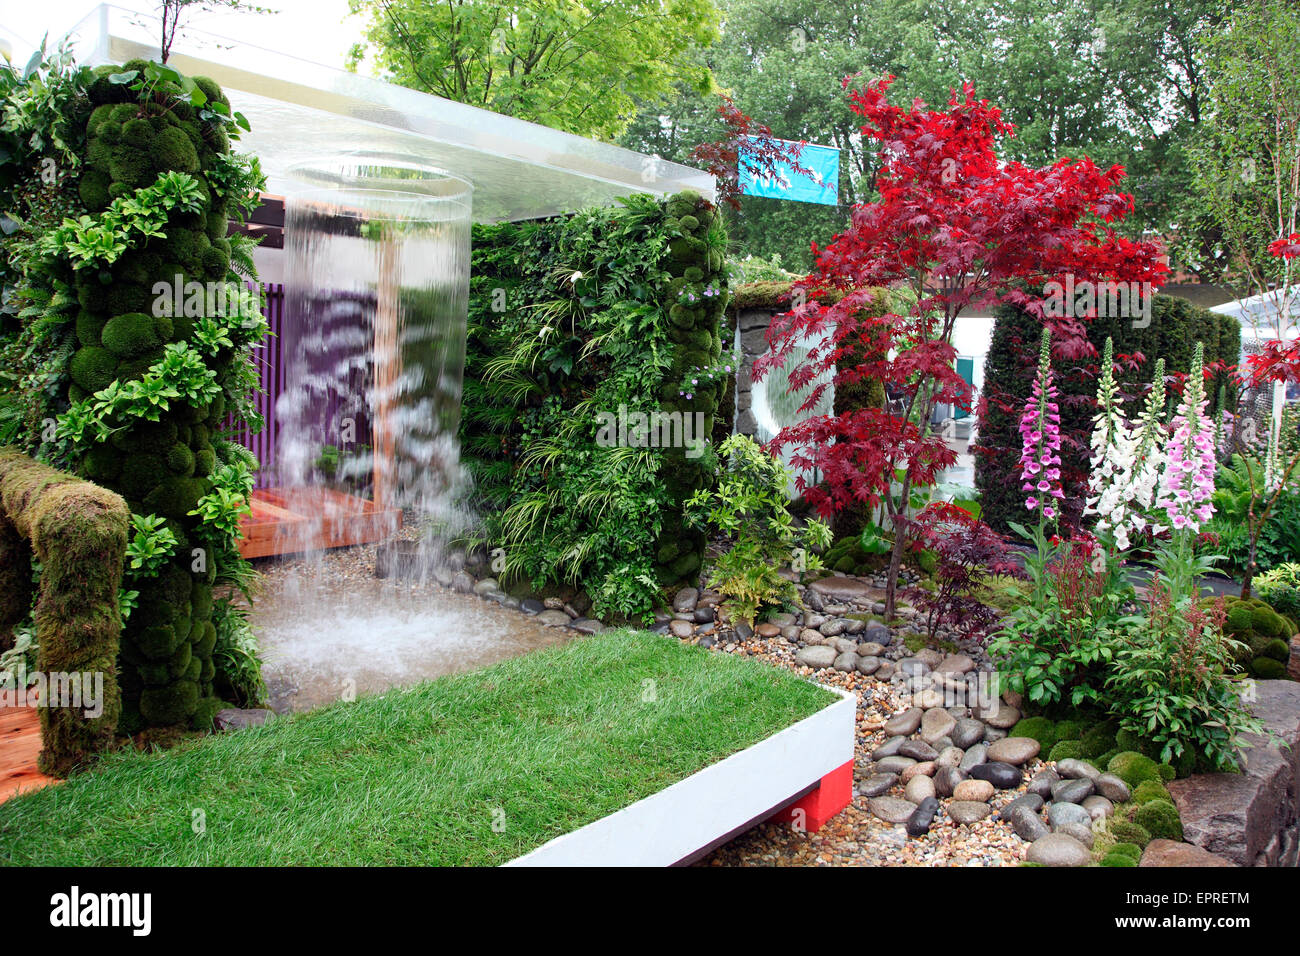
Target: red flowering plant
{"x":961,"y":230}
{"x":965,"y":550}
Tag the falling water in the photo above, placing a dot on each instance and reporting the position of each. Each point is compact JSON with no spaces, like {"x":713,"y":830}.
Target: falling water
{"x":377,"y":286}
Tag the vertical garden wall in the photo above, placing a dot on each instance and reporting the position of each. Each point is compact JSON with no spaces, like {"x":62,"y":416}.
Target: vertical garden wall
{"x":146,"y":328}
{"x":592,"y":378}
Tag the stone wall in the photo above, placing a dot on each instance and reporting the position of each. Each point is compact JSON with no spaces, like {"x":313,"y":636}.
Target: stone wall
{"x":751,"y":336}
{"x":1252,"y":818}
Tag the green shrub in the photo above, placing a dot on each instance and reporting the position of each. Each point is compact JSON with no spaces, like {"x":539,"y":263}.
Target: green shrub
{"x":1160,"y":819}
{"x":1280,"y":587}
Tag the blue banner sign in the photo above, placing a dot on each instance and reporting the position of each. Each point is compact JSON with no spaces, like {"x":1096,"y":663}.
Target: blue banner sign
{"x":823,"y":161}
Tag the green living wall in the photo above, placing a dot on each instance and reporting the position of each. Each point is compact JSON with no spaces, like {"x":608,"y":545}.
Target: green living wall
{"x":592,"y":378}
{"x":1175,"y":327}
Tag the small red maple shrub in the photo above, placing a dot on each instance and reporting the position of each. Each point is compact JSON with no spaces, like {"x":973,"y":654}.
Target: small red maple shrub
{"x":964,"y":549}
{"x":962,"y":230}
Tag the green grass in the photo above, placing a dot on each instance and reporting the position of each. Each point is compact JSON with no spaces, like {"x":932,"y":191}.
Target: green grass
{"x":539,"y":746}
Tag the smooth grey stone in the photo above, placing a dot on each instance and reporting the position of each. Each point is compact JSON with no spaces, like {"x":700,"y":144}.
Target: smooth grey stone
{"x":1014,"y":750}
{"x":870,"y":649}
{"x":893,"y":764}
{"x":1080,"y":831}
{"x":918,"y":824}
{"x":877,"y":784}
{"x":781,"y":619}
{"x":743,"y":630}
{"x":950,"y":757}
{"x":1030,"y":801}
{"x":1099,"y":808}
{"x":1058,"y":849}
{"x":968,"y":811}
{"x":1001,"y":717}
{"x":706,"y":641}
{"x":486,"y":585}
{"x":834,"y":628}
{"x":868,"y":665}
{"x":817,"y":656}
{"x":918,"y":789}
{"x":1027,"y":824}
{"x":553,"y":618}
{"x":967,"y":733}
{"x":918,"y":750}
{"x":891,"y":809}
{"x":905,"y":723}
{"x":846,"y":661}
{"x":889,"y":748}
{"x":1072,"y":791}
{"x":1043,"y":782}
{"x":1001,"y":775}
{"x":975,"y":756}
{"x":685,"y":599}
{"x":935,"y":724}
{"x":585,"y":625}
{"x":879,"y":634}
{"x":1058,"y":813}
{"x":942,"y":744}
{"x":1073,"y":769}
{"x":913,"y":667}
{"x":946,"y":780}
{"x":235,"y":718}
{"x":993,"y":734}
{"x":1113,"y":788}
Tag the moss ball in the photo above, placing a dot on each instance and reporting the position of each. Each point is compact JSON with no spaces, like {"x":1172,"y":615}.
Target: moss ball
{"x":205,"y":462}
{"x":171,"y":704}
{"x":215,"y":261}
{"x":1069,"y":730}
{"x":1166,"y":771}
{"x":180,"y":661}
{"x":92,"y":189}
{"x":92,"y":367}
{"x":1266,"y":668}
{"x":1130,"y":850}
{"x":1126,"y":831}
{"x":180,"y":460}
{"x":102,"y":463}
{"x":130,"y":167}
{"x":90,"y":327}
{"x":1149,"y":790}
{"x":175,"y":497}
{"x":1097,"y":741}
{"x":1039,"y":728}
{"x":157,"y":643}
{"x":1160,"y":819}
{"x":139,"y":133}
{"x":215,"y":224}
{"x":139,"y":474}
{"x":1066,"y":750}
{"x":203,"y":647}
{"x":134,"y":333}
{"x":1133,"y":768}
{"x":175,"y":151}
{"x":205,"y":713}
{"x":1117,"y":859}
{"x":1238,"y":620}
{"x":1277,"y":649}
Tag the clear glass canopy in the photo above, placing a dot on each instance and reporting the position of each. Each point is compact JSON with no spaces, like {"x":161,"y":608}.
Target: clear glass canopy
{"x":301,"y":110}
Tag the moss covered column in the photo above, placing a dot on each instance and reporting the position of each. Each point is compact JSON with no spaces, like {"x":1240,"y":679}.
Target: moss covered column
{"x":160,"y":467}
{"x":696,"y":301}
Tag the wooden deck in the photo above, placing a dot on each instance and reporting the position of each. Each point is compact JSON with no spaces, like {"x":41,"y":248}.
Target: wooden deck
{"x":293,"y":520}
{"x":20,"y":743}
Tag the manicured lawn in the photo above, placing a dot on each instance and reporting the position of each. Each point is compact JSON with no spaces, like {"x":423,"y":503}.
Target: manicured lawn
{"x":475,"y":769}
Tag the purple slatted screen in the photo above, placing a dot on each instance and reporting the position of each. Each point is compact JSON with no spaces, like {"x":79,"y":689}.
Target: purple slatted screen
{"x":270,"y":371}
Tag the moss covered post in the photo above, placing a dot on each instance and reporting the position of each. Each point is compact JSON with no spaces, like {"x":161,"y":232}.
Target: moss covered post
{"x":160,"y":467}
{"x":695,"y":262}
{"x":78,"y":532}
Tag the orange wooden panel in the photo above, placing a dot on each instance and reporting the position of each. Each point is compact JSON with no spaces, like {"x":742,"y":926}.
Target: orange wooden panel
{"x":20,"y":744}
{"x":290,"y":520}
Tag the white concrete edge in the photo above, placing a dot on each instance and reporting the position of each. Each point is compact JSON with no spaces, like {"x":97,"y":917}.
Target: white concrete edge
{"x":679,"y":820}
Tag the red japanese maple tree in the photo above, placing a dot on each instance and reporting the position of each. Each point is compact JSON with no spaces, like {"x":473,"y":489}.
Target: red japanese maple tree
{"x":962,"y":230}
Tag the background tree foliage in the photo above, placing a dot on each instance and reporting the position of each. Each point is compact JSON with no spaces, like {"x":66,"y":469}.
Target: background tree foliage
{"x":576,"y":65}
{"x":1121,"y":81}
